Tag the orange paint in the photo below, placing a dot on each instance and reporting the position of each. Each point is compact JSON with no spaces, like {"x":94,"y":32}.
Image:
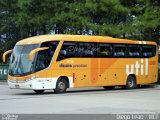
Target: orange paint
{"x":94,"y":70}
{"x":105,"y":63}
{"x":91,"y":71}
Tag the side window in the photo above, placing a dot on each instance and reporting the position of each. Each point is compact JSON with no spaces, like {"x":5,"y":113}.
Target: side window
{"x":119,"y":50}
{"x":133,"y":50}
{"x":44,"y":57}
{"x":87,"y":50}
{"x":148,"y":50}
{"x":68,"y":50}
{"x":105,"y":50}
{"x":77,"y":49}
{"x":42,"y":61}
{"x":52,"y":48}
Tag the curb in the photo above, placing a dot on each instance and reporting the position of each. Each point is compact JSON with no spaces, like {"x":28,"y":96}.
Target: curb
{"x":3,"y":83}
{"x":3,"y":80}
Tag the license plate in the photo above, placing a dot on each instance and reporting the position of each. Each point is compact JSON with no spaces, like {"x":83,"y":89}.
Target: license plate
{"x":17,"y":86}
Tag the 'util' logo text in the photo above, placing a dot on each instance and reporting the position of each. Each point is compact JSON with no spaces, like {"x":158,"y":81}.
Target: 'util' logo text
{"x":140,"y":67}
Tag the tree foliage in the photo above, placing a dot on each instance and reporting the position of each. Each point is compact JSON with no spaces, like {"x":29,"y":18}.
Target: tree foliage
{"x":134,"y":19}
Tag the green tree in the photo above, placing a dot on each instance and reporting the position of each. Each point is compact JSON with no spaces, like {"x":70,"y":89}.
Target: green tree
{"x":107,"y":17}
{"x":149,"y":21}
{"x":134,"y":19}
{"x":146,"y":20}
{"x":8,"y":29}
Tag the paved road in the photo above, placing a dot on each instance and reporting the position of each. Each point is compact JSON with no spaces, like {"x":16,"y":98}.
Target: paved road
{"x":79,"y":101}
{"x":88,"y":100}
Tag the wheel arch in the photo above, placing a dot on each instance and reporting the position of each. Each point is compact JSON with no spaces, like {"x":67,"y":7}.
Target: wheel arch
{"x":133,"y":75}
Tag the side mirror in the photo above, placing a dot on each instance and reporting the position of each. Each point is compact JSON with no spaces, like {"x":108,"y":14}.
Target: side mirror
{"x":5,"y":54}
{"x":32,"y":53}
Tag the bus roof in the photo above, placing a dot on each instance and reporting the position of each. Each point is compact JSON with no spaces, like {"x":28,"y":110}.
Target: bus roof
{"x":78,"y":38}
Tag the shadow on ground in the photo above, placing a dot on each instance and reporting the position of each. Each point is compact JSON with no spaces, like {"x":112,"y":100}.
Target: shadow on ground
{"x":98,"y":90}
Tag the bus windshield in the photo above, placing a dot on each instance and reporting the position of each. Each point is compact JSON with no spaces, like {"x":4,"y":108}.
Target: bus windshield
{"x":20,"y":63}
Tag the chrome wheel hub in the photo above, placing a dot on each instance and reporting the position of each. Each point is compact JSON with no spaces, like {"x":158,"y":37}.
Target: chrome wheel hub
{"x":61,"y":85}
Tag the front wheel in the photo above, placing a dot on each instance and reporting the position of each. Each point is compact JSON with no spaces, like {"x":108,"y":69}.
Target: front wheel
{"x":39,"y":91}
{"x":61,"y":86}
{"x":131,"y":82}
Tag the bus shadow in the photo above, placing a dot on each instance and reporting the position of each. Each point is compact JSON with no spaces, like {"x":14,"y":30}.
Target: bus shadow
{"x":69,"y":91}
{"x":86,"y":91}
{"x":98,"y":90}
{"x":117,"y":89}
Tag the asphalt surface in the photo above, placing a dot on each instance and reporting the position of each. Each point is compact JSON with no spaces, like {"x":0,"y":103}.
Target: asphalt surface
{"x":80,"y":101}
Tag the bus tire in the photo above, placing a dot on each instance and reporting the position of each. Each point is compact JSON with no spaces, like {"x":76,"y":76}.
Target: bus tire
{"x":61,"y":86}
{"x":39,"y":91}
{"x":131,"y":82}
{"x":108,"y":87}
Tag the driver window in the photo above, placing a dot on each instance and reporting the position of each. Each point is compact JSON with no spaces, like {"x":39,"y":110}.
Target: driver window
{"x":44,"y":57}
{"x":42,"y":61}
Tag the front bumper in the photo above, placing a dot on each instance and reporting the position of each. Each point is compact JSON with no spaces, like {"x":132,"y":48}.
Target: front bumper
{"x":34,"y":84}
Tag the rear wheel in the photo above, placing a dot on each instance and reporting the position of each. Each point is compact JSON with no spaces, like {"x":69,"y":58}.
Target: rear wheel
{"x":61,"y":86}
{"x":131,"y":82}
{"x":39,"y":91}
{"x":108,"y":87}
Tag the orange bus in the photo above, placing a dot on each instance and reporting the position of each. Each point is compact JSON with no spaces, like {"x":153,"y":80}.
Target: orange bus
{"x":59,"y":62}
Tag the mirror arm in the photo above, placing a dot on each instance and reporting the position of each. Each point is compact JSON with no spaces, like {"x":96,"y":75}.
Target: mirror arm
{"x":31,"y":54}
{"x":6,"y":53}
